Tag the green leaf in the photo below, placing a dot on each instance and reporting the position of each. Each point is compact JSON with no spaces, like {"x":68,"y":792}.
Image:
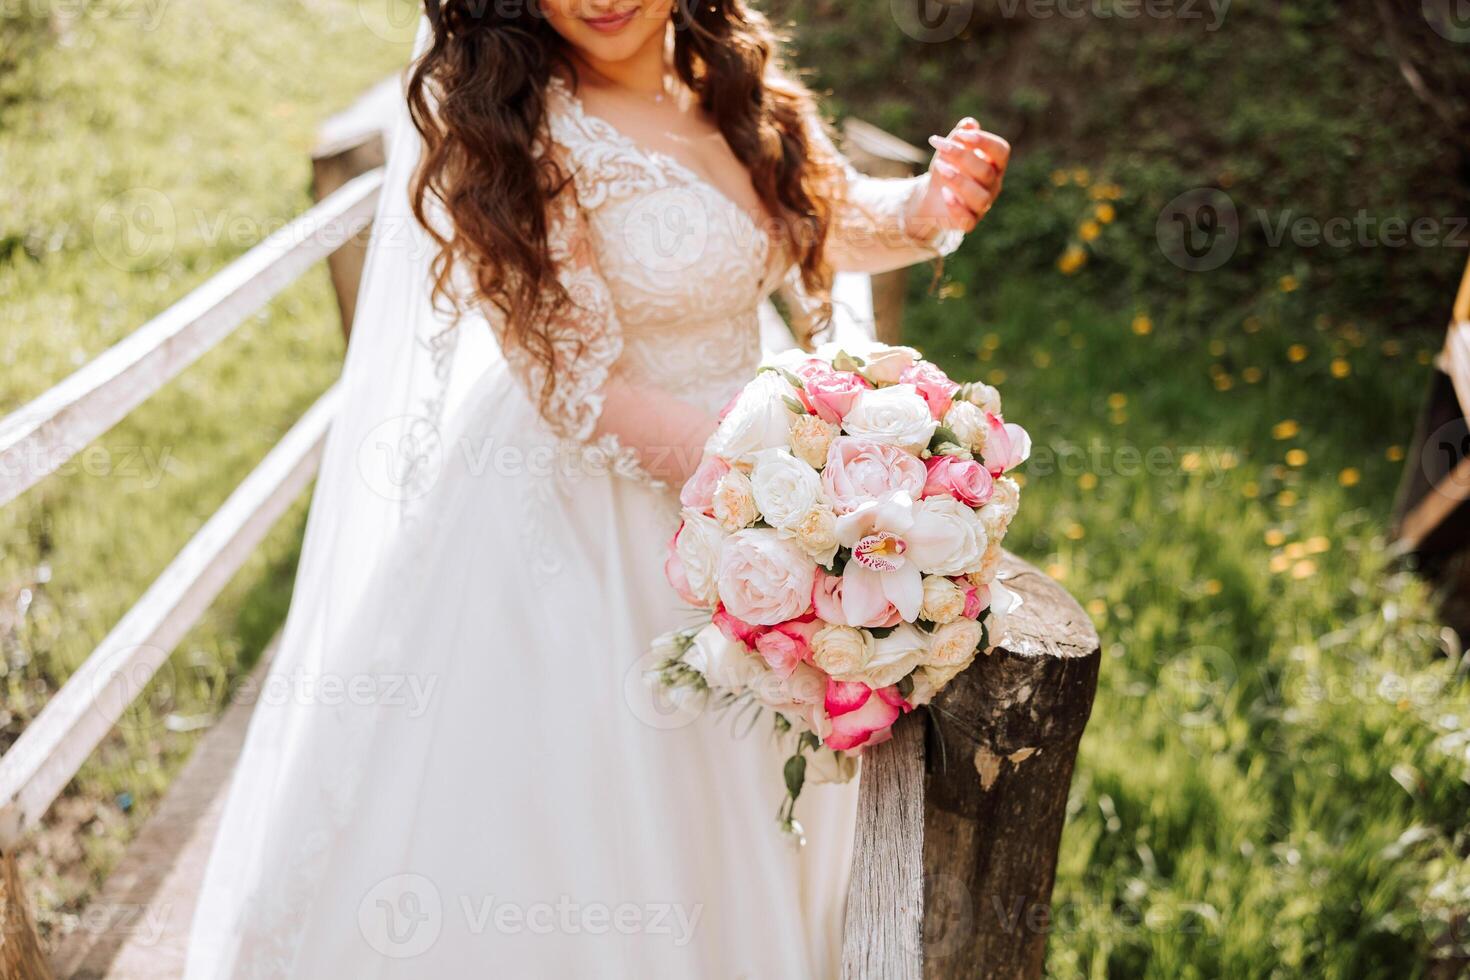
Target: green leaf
{"x":796,"y":407}
{"x":906,"y":686}
{"x":846,"y":362}
{"x":795,"y":775}
{"x":879,"y":632}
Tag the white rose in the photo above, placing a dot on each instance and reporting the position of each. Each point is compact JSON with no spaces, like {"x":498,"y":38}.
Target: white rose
{"x":816,"y":532}
{"x":969,"y":425}
{"x":947,"y":537}
{"x":929,"y":681}
{"x":944,"y":601}
{"x":894,"y":657}
{"x":896,"y":416}
{"x":954,"y":643}
{"x":1001,"y":508}
{"x":723,"y":662}
{"x":759,"y":419}
{"x":735,"y":501}
{"x":841,"y":650}
{"x":811,"y":437}
{"x":698,"y":548}
{"x":983,"y":397}
{"x":786,"y":489}
{"x":883,"y":365}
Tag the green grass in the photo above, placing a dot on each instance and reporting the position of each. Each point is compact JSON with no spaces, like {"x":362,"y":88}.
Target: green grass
{"x":1274,"y":780}
{"x":140,"y":156}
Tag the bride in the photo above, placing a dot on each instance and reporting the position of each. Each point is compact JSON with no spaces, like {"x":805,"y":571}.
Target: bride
{"x":453,"y":769}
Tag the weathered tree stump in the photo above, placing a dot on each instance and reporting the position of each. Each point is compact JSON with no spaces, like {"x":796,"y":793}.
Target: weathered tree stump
{"x":21,"y":957}
{"x":975,"y":863}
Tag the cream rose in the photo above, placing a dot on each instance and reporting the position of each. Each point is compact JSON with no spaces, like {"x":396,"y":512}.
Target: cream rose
{"x":734,"y":502}
{"x":698,"y":549}
{"x":811,"y":438}
{"x":816,"y":532}
{"x":786,"y":488}
{"x":947,"y":537}
{"x":883,"y":365}
{"x":896,"y":416}
{"x":759,"y":419}
{"x":968,"y":424}
{"x":944,"y":601}
{"x":723,"y":662}
{"x":983,"y":397}
{"x":989,"y":564}
{"x":929,"y":681}
{"x":954,"y":643}
{"x":998,"y":512}
{"x":894,"y":657}
{"x":763,"y":578}
{"x":842,"y":650}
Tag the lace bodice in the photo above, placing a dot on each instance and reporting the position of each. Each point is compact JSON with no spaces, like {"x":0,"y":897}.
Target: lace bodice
{"x":667,"y":273}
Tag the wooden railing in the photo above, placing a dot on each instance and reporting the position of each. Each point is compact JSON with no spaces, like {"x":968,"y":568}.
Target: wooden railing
{"x":40,"y":437}
{"x":961,"y":812}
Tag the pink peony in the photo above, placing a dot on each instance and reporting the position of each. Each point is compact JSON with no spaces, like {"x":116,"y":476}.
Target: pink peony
{"x":858,"y":716}
{"x":699,"y":489}
{"x":827,"y":393}
{"x":963,"y":479}
{"x":764,"y":578}
{"x":1007,"y":445}
{"x":827,"y":600}
{"x":788,"y":644}
{"x":859,"y":470}
{"x":737,"y":630}
{"x":933,"y":384}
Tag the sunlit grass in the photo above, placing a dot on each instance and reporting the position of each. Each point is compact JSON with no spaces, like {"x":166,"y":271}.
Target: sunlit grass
{"x":1273,"y":781}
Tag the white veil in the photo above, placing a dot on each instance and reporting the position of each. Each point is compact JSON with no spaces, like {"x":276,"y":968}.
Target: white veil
{"x":407,"y":369}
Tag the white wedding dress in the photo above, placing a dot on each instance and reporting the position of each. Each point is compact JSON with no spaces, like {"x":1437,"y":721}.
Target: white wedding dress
{"x":460,"y":772}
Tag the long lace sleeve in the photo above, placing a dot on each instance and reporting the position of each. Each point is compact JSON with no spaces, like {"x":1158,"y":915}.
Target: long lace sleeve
{"x":639,"y":430}
{"x":869,"y":231}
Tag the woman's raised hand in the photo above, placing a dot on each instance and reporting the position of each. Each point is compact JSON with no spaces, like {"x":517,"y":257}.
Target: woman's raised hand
{"x":965,"y":177}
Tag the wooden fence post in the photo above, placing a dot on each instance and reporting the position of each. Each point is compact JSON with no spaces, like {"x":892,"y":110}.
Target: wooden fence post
{"x":1003,"y":740}
{"x":350,"y":144}
{"x":21,"y":957}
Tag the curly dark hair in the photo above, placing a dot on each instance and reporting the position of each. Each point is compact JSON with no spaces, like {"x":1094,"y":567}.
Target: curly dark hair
{"x":478,"y":97}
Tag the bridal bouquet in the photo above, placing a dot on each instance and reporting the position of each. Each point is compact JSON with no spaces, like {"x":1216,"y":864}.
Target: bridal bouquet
{"x":842,"y":532}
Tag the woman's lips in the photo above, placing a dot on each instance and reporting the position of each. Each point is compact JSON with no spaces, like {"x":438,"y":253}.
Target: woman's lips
{"x":611,"y":23}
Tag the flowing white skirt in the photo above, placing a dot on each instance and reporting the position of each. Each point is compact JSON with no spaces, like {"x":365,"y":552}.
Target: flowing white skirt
{"x":489,"y":791}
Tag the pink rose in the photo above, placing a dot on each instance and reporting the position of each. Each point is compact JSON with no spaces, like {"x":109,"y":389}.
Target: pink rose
{"x":977,"y":598}
{"x":860,"y":715}
{"x":828,"y":393}
{"x":1007,"y":445}
{"x":674,"y":571}
{"x":858,"y":470}
{"x":933,"y":384}
{"x":764,"y":578}
{"x":827,"y":600}
{"x":736,"y":630}
{"x":788,"y":644}
{"x":699,"y":489}
{"x":963,"y":479}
